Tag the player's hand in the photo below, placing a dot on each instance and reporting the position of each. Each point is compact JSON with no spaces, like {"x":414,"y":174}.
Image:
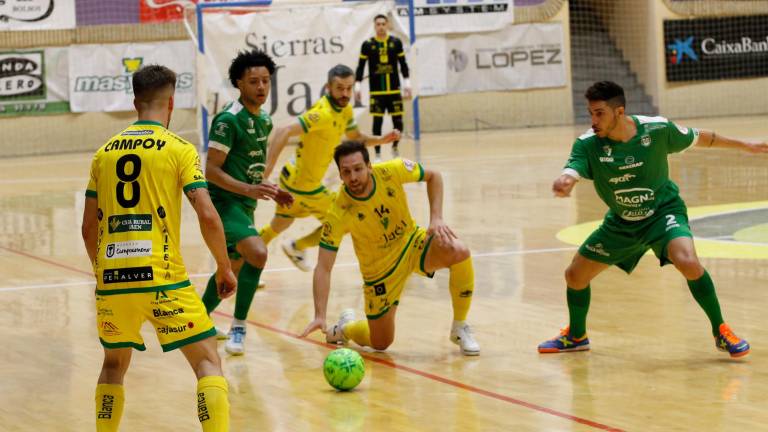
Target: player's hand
{"x":441,"y":232}
{"x":263,"y":191}
{"x":283,"y":198}
{"x":316,"y":324}
{"x":226,"y":283}
{"x":757,"y":147}
{"x":563,"y":186}
{"x":407,"y":93}
{"x":391,"y":137}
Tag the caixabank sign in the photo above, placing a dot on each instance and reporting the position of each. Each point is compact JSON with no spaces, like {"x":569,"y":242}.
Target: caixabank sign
{"x":716,"y":48}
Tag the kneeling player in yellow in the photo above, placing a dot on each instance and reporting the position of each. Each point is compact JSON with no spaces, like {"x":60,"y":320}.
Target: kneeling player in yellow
{"x":131,"y":228}
{"x":321,"y":129}
{"x":373,"y":207}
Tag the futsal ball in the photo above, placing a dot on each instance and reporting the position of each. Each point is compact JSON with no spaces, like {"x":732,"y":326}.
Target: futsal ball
{"x":344,"y":369}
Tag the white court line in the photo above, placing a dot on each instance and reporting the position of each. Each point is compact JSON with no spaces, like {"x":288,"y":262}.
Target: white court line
{"x":286,"y":269}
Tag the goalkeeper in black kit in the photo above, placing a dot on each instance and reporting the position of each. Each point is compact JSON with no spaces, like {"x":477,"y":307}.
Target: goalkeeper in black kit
{"x":386,"y":60}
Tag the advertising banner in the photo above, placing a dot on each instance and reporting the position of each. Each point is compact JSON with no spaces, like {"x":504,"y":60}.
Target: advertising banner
{"x":34,"y":81}
{"x":519,"y":57}
{"x":303,"y":53}
{"x":456,"y":16}
{"x":716,"y":48}
{"x":100,"y":75}
{"x":37,"y":14}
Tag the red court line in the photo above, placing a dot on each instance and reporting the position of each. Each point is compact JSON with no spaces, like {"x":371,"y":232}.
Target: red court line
{"x":47,"y":261}
{"x":384,"y":362}
{"x":440,"y":379}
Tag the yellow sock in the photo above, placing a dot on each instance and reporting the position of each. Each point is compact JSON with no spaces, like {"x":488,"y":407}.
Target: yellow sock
{"x":359,"y":332}
{"x":267,"y":234}
{"x":213,"y":403}
{"x":461,"y":285}
{"x":310,"y":240}
{"x":110,"y":399}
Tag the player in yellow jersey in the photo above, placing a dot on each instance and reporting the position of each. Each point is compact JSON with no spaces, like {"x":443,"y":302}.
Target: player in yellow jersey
{"x":320,"y":130}
{"x":372,"y":206}
{"x":131,"y":228}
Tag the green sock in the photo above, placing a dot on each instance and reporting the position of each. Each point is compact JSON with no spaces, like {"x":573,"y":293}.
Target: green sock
{"x":211,"y":295}
{"x":703,"y":290}
{"x":247,"y":282}
{"x":578,"y":306}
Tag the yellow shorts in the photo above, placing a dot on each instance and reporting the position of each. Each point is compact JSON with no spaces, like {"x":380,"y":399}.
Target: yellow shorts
{"x":305,"y":204}
{"x":179,"y":318}
{"x":383,"y":293}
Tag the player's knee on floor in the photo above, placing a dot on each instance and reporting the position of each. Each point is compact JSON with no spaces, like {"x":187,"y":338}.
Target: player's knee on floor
{"x":381,"y":342}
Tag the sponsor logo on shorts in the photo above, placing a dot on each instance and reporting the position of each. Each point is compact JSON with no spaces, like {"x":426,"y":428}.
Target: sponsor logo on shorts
{"x":625,"y":178}
{"x":110,"y":329}
{"x":107,"y":405}
{"x":130,"y":223}
{"x":409,"y":164}
{"x":172,"y":329}
{"x":165,"y":313}
{"x":636,"y":215}
{"x":128,"y":249}
{"x":598,"y":249}
{"x":128,"y":274}
{"x":380,"y":289}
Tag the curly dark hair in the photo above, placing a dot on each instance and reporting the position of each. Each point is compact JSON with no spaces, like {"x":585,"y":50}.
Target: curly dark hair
{"x":249,"y":59}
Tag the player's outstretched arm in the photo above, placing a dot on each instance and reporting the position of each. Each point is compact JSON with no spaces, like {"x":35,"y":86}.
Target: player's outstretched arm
{"x":90,"y":227}
{"x":563,"y":185}
{"x":278,"y":143}
{"x":321,"y":286}
{"x":216,"y":175}
{"x":710,"y":139}
{"x":213,"y":234}
{"x":370,"y":140}
{"x":437,"y":227}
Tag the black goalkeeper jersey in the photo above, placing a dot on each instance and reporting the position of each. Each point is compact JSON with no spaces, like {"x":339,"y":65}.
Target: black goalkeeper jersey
{"x":383,"y":57}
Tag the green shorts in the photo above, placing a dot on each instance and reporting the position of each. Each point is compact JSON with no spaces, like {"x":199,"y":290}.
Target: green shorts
{"x":238,"y":223}
{"x":622,"y":243}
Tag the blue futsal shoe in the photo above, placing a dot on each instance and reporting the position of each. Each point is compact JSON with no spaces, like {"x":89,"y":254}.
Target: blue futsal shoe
{"x":564,"y":343}
{"x":729,"y":342}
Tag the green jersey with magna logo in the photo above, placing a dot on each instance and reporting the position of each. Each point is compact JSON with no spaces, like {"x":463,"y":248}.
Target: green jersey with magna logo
{"x":243,"y":137}
{"x":632,"y":177}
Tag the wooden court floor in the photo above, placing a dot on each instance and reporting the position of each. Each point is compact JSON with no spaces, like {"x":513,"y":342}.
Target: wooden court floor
{"x":653,"y":364}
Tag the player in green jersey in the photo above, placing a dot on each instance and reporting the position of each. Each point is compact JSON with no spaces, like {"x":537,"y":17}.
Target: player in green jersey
{"x":237,"y":153}
{"x":626,"y":157}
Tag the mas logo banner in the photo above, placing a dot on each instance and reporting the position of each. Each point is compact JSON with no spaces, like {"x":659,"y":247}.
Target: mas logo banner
{"x":716,"y":48}
{"x":100,"y":75}
{"x":37,"y":14}
{"x":33,"y":81}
